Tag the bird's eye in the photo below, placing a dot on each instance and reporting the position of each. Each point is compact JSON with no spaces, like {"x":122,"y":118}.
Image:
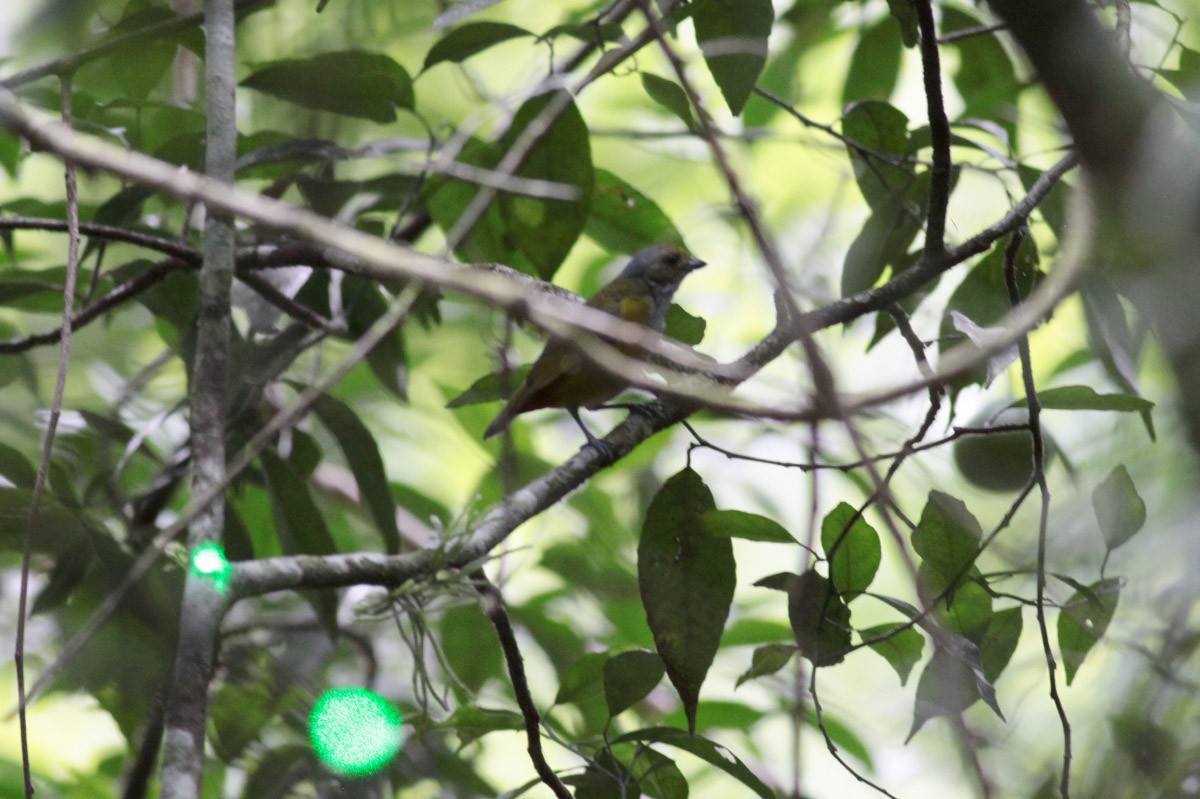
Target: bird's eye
{"x":673,"y":258}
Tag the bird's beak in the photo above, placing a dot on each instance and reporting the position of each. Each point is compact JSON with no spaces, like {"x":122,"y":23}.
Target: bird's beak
{"x":694,"y":263}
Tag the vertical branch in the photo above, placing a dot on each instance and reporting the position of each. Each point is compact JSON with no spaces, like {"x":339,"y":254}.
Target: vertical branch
{"x":39,"y":483}
{"x":187,"y":700}
{"x":1039,"y":477}
{"x":939,"y":130}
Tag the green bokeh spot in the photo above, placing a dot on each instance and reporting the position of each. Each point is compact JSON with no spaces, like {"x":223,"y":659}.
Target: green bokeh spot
{"x":355,"y":732}
{"x":210,"y":563}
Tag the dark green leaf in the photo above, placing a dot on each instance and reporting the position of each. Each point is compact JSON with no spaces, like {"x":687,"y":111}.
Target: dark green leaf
{"x":583,"y":681}
{"x":1119,"y":509}
{"x":767,"y":660}
{"x":905,"y":15}
{"x":687,"y":579}
{"x":362,"y":454}
{"x":1082,"y":621}
{"x":902,"y":649}
{"x":1151,"y":748}
{"x":488,"y":240}
{"x":604,"y":778}
{"x":733,"y":37}
{"x":466,"y":40}
{"x":947,"y":536}
{"x":947,"y":687}
{"x":590,"y":32}
{"x":780,"y":581}
{"x":881,"y":129}
{"x":684,"y":327}
{"x":356,"y":83}
{"x":1000,"y":642}
{"x":16,"y":468}
{"x":704,"y":749}
{"x":544,"y":231}
{"x":622,"y":219}
{"x":852,"y":547}
{"x":749,"y":526}
{"x":238,"y":712}
{"x":491,"y":387}
{"x":875,"y":63}
{"x":277,"y":766}
{"x":885,"y":237}
{"x":10,"y":153}
{"x":657,"y":775}
{"x":1085,"y":398}
{"x":628,"y":677}
{"x":470,"y":646}
{"x":748,"y":631}
{"x":68,"y":572}
{"x":671,"y":96}
{"x":820,"y":619}
{"x":986,"y":79}
{"x":967,"y":606}
{"x":470,"y":723}
{"x":387,"y":359}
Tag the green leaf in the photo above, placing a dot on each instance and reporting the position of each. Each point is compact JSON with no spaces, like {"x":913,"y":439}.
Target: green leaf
{"x":880,"y":128}
{"x":767,"y":660}
{"x":355,"y":83}
{"x":628,"y":677}
{"x":1119,"y":509}
{"x":905,"y":14}
{"x":544,"y":231}
{"x":1085,"y":398}
{"x":622,"y":219}
{"x":704,"y":749}
{"x":749,"y":526}
{"x":362,"y":454}
{"x":820,"y":619}
{"x":947,"y":687}
{"x":671,"y":96}
{"x":16,"y":468}
{"x":885,"y":237}
{"x":466,"y":40}
{"x":10,"y":153}
{"x":469,"y":644}
{"x":1000,"y":642}
{"x":902,"y":650}
{"x":470,"y":723}
{"x":1082,"y":621}
{"x":842,"y":736}
{"x":491,"y":387}
{"x":657,"y":775}
{"x":852,"y":547}
{"x":387,"y":359}
{"x":277,"y":765}
{"x":947,"y":536}
{"x":68,"y":572}
{"x":967,"y":606}
{"x":684,"y":327}
{"x":985,"y":78}
{"x":583,"y":681}
{"x":733,"y":37}
{"x":687,"y":579}
{"x":604,"y":778}
{"x":1151,"y":748}
{"x":875,"y":63}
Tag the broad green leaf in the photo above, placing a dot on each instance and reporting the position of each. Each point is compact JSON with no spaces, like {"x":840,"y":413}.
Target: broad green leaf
{"x":16,"y":468}
{"x":355,"y":83}
{"x":66,"y":575}
{"x":1000,"y":642}
{"x":767,"y":660}
{"x":852,"y":547}
{"x":140,"y":66}
{"x":967,"y":606}
{"x":470,"y":722}
{"x":706,"y":750}
{"x":583,"y":681}
{"x":947,"y":687}
{"x":820,"y":619}
{"x":491,"y":387}
{"x":488,"y":240}
{"x":875,"y":63}
{"x":687,"y":579}
{"x":684,"y":327}
{"x":985,"y":78}
{"x":1119,"y":509}
{"x":733,"y":37}
{"x":1082,"y":621}
{"x":628,"y":677}
{"x":387,"y":359}
{"x":947,"y":536}
{"x":1085,"y":398}
{"x":901,"y":648}
{"x":622,"y":219}
{"x":605,"y":777}
{"x":749,"y":631}
{"x":905,"y":15}
{"x":362,"y":454}
{"x":544,"y":231}
{"x":882,"y":130}
{"x":466,"y":40}
{"x":671,"y":96}
{"x":657,"y":774}
{"x":749,"y":526}
{"x":470,"y":646}
{"x":885,"y":237}
{"x":10,"y":153}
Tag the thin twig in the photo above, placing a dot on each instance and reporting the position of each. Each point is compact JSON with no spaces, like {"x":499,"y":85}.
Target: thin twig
{"x":1039,"y":476}
{"x":939,"y":131}
{"x":39,"y":483}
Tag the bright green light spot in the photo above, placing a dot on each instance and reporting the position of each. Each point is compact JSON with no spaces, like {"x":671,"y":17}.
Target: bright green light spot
{"x":354,"y":731}
{"x":209,"y":561}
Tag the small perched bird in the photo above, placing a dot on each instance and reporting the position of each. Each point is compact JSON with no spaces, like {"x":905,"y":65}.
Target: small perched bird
{"x":562,"y":377}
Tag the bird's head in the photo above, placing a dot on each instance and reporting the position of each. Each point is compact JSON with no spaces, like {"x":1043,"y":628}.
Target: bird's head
{"x":662,"y":265}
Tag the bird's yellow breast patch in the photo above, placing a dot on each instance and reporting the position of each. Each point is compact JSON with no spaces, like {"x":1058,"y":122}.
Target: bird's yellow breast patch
{"x":636,"y":309}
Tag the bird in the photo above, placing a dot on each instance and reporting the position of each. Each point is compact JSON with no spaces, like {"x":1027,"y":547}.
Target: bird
{"x":562,"y":377}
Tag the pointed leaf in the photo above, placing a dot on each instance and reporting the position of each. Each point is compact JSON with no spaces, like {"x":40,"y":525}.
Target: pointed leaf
{"x":748,"y":526}
{"x":466,"y":40}
{"x":852,"y":548}
{"x":1000,"y":642}
{"x":947,"y":536}
{"x":629,"y":676}
{"x":875,"y":63}
{"x":901,"y":648}
{"x":687,"y":579}
{"x":706,"y":750}
{"x":1082,"y":621}
{"x":356,"y":83}
{"x":767,"y":660}
{"x":623,"y":219}
{"x":491,"y":387}
{"x":733,"y":37}
{"x":671,"y":96}
{"x":878,"y":128}
{"x":820,"y":619}
{"x":470,"y":723}
{"x":1085,"y":398}
{"x":1119,"y":509}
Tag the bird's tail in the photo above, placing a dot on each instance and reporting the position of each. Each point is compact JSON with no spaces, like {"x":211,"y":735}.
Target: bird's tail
{"x":500,"y":423}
